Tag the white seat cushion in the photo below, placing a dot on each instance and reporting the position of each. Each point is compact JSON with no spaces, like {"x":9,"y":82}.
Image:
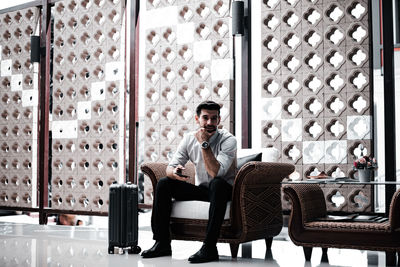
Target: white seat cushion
{"x":194,"y":209}
{"x":269,"y":154}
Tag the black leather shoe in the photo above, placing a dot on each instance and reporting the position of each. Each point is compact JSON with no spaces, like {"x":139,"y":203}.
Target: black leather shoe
{"x":159,"y":249}
{"x":205,"y":254}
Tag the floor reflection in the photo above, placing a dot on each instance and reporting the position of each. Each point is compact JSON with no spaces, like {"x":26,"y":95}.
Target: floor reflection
{"x":36,"y":245}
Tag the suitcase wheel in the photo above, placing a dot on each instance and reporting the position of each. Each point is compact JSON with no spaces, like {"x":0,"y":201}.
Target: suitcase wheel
{"x":134,"y":250}
{"x":110,"y":250}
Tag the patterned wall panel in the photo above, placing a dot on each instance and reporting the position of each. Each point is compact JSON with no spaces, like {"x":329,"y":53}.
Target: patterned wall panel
{"x":87,"y":103}
{"x":187,"y":60}
{"x":18,"y":109}
{"x":316,"y":104}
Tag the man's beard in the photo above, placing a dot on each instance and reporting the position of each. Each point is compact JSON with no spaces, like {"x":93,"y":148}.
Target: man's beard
{"x":210,"y":129}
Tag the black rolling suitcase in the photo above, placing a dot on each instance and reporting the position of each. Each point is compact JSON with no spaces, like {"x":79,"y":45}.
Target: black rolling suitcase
{"x":123,"y":218}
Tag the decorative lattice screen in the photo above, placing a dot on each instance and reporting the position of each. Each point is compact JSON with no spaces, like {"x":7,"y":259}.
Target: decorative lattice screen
{"x":187,"y":60}
{"x":316,"y":106}
{"x":18,"y":109}
{"x":87,"y":103}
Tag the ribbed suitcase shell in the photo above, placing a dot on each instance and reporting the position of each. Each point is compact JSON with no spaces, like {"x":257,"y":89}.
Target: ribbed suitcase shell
{"x":123,"y":218}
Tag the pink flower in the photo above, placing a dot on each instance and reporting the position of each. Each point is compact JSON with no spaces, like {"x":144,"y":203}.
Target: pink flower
{"x":365,"y":163}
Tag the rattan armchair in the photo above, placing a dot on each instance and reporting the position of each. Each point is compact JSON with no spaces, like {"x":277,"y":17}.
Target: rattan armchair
{"x":305,"y":229}
{"x":255,"y":210}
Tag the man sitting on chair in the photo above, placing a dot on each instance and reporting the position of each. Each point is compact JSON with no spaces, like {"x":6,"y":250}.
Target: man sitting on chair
{"x":213,"y":152}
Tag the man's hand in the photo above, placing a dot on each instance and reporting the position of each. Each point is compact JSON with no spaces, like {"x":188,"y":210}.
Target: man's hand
{"x":203,"y":134}
{"x":176,"y":173}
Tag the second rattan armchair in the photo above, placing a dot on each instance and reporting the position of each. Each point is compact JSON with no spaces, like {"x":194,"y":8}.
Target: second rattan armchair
{"x":305,"y":229}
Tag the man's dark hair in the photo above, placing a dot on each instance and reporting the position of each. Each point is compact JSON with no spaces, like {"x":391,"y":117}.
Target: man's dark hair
{"x":209,"y":105}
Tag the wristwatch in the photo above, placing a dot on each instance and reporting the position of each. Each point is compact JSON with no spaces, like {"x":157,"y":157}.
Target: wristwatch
{"x":205,"y":145}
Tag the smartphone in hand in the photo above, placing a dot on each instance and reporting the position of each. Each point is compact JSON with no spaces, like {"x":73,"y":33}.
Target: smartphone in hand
{"x":182,"y":175}
{"x":179,"y":173}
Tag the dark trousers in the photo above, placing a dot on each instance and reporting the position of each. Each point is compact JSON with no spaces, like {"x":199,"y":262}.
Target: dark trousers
{"x":218,"y":193}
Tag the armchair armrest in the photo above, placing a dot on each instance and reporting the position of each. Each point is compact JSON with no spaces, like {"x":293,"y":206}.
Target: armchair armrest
{"x":256,"y":199}
{"x":157,"y":170}
{"x":394,"y":212}
{"x":308,"y":202}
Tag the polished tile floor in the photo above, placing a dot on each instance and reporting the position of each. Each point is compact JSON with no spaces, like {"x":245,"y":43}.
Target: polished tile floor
{"x":25,"y":243}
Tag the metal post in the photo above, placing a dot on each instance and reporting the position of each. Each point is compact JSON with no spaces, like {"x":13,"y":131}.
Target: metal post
{"x":44,"y":96}
{"x":246,"y":77}
{"x":389,"y":100}
{"x":133,"y":93}
{"x":242,"y":69}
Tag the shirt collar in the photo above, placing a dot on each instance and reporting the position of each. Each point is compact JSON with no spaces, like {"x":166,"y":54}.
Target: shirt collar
{"x":214,"y":136}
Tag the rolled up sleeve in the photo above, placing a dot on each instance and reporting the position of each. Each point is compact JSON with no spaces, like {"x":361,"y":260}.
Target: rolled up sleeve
{"x":227,"y":155}
{"x":181,"y":156}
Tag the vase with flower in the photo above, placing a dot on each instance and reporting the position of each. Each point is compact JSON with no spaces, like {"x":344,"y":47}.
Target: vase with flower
{"x":365,"y":167}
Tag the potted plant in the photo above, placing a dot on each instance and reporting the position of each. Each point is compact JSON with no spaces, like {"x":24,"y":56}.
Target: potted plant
{"x":365,"y":167}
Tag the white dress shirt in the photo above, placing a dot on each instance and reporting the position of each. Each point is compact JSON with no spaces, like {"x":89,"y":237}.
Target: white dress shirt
{"x":223,"y":145}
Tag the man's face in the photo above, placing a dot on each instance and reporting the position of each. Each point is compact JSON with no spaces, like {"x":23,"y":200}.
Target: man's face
{"x":208,"y":119}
